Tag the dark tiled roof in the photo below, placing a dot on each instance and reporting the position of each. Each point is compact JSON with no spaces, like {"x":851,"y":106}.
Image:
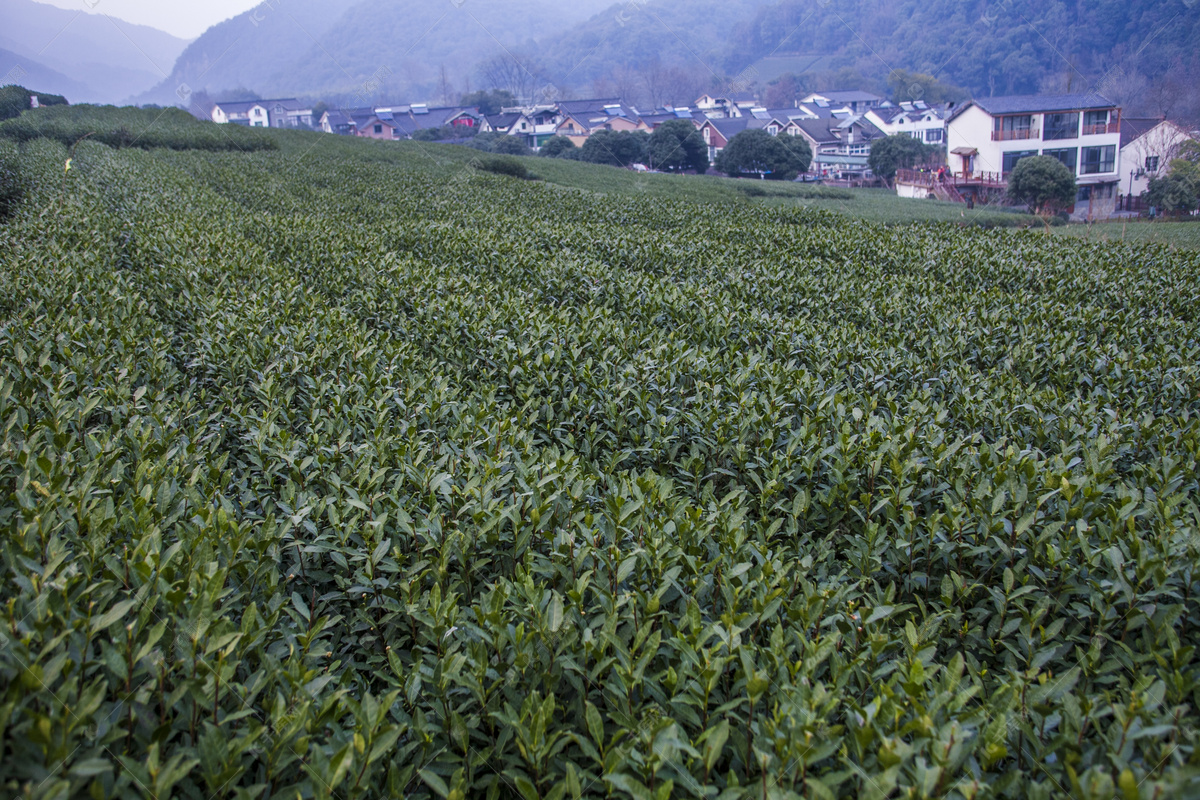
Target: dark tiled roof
{"x":289,"y":104}
{"x":592,"y":105}
{"x":850,"y":96}
{"x":1035,"y":103}
{"x":1134,"y":128}
{"x":502,"y":121}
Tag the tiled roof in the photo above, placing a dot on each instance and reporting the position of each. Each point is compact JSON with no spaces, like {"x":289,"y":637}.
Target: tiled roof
{"x":1035,"y":103}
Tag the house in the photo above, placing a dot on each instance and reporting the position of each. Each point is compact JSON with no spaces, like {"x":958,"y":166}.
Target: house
{"x":717,"y":132}
{"x":917,"y":119}
{"x":386,"y":124}
{"x":987,"y":137}
{"x":1147,"y":147}
{"x":461,"y":117}
{"x":345,"y":122}
{"x":280,"y":113}
{"x":535,"y":124}
{"x":857,"y":101}
{"x":840,"y":145}
{"x":499,"y":123}
{"x":729,"y":105}
{"x":579,"y":119}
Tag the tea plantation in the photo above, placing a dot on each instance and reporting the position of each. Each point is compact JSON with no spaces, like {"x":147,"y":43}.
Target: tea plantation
{"x":331,"y":473}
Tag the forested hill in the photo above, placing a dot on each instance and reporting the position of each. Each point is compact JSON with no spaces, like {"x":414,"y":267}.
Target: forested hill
{"x":391,"y":48}
{"x":1126,"y":49}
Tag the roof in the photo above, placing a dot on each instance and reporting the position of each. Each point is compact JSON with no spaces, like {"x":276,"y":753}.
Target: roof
{"x":849,"y":96}
{"x":1134,"y":128}
{"x":1035,"y":103}
{"x":827,"y":131}
{"x":238,"y":106}
{"x":502,"y":121}
{"x":589,"y":106}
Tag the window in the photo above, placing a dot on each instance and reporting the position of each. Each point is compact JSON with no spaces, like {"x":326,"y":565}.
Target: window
{"x":1151,"y":163}
{"x":1010,"y":159}
{"x":1068,"y":156}
{"x":1095,"y":122}
{"x":379,"y":129}
{"x":1099,"y":191}
{"x":1010,"y":128}
{"x":1096,"y":160}
{"x":1061,"y":126}
{"x":934,"y":135}
{"x":772,"y":129}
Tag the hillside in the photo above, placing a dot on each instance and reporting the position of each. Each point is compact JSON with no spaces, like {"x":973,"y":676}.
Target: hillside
{"x":104,"y":59}
{"x":1144,"y":55}
{"x":394,"y":48}
{"x":24,"y":70}
{"x":355,"y":470}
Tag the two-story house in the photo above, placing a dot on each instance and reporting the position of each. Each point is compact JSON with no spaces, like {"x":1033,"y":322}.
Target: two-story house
{"x":857,"y":101}
{"x":1147,"y":147}
{"x":987,"y":137}
{"x":917,"y":119}
{"x":280,"y":113}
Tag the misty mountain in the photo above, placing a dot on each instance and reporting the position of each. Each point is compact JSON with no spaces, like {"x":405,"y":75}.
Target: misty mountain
{"x":1135,"y":52}
{"x":97,"y":58}
{"x":20,"y":70}
{"x":369,"y":49}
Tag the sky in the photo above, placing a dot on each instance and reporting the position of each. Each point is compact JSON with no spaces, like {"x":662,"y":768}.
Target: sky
{"x":184,"y":18}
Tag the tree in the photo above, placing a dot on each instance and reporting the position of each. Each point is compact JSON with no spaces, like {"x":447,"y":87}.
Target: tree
{"x":909,"y":86}
{"x":512,"y":73}
{"x":756,"y":152}
{"x":676,"y":146}
{"x":900,"y":151}
{"x":1177,"y":191}
{"x":800,"y":149}
{"x":557,"y":147}
{"x":1043,"y":182}
{"x":488,"y":102}
{"x":15,"y":99}
{"x":787,"y":90}
{"x":510,"y":146}
{"x":615,"y":148}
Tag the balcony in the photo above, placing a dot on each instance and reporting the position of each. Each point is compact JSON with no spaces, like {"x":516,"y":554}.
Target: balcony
{"x":1111,"y":127}
{"x":1013,"y":135}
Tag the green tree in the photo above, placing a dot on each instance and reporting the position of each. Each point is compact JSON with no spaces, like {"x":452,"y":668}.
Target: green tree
{"x":676,"y":146}
{"x":557,"y":147}
{"x":910,"y":86}
{"x":1177,"y":191}
{"x":798,"y":145}
{"x":756,"y":152}
{"x":15,"y":99}
{"x":511,"y":146}
{"x":615,"y":148}
{"x":489,"y":101}
{"x":897,"y":152}
{"x":1043,"y":182}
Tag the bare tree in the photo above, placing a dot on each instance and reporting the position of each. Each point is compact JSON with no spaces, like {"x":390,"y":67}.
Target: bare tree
{"x":513,"y":72}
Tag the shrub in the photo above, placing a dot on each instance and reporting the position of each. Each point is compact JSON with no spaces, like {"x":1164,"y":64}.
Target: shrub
{"x":171,"y":128}
{"x":505,"y":166}
{"x":557,"y":147}
{"x":12,"y":184}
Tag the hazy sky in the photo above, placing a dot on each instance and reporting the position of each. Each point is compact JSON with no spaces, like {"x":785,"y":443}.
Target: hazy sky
{"x":185,"y":18}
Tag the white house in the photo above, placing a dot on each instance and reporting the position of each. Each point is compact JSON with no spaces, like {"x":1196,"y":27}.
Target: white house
{"x":857,"y":101}
{"x":919,"y":120}
{"x":278,"y":113}
{"x":1147,"y":147}
{"x":987,"y":137}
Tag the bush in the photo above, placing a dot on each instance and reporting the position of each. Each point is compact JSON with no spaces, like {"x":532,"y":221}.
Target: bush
{"x":15,"y":99}
{"x":756,"y":152}
{"x":12,"y":184}
{"x":1044,"y":182}
{"x":171,"y":128}
{"x":557,"y":147}
{"x":505,"y":166}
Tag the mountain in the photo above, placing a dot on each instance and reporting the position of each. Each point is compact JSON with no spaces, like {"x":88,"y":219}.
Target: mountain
{"x":1135,"y":52}
{"x":25,"y":71}
{"x":99,"y":58}
{"x":372,"y":49}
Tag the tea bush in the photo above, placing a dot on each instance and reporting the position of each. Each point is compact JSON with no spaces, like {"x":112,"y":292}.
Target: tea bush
{"x":147,"y":128}
{"x":324,"y":478}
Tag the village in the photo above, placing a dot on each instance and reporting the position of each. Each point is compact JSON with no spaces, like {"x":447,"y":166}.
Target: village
{"x":978,"y":142}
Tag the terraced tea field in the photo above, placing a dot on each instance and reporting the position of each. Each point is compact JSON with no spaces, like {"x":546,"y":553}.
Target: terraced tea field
{"x":334,"y":472}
